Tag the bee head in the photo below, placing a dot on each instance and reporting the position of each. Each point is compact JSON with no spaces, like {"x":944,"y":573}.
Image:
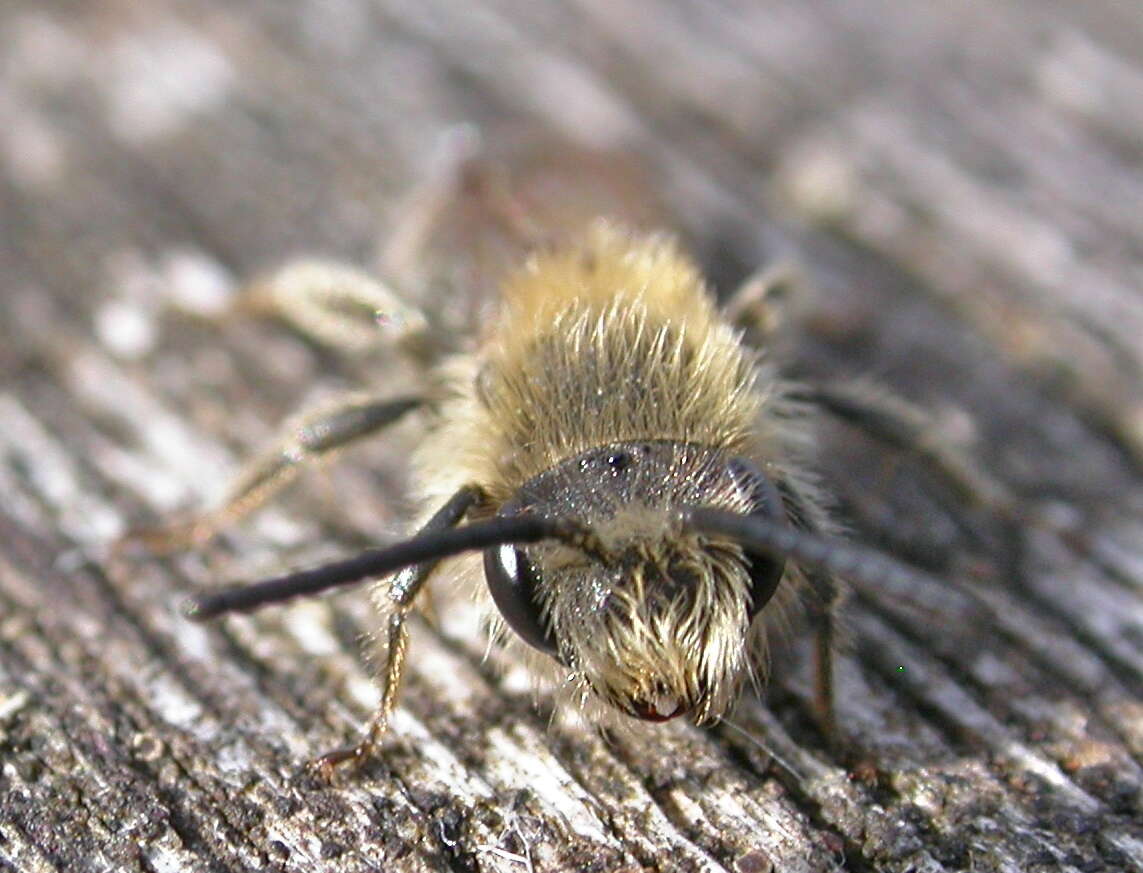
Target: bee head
{"x":656,"y":622}
{"x":640,"y":567}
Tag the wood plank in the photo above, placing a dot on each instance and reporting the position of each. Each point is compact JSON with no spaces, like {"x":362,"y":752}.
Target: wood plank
{"x":959,"y":184}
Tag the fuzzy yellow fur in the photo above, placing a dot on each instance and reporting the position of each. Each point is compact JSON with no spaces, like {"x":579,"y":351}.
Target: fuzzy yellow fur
{"x":616,"y":339}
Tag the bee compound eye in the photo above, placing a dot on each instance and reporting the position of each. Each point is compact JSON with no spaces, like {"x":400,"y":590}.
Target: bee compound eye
{"x":765,"y":576}
{"x":765,"y":572}
{"x":512,"y":579}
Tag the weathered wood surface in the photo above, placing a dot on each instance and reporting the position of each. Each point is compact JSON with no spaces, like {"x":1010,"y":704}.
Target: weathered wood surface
{"x":962,"y":184}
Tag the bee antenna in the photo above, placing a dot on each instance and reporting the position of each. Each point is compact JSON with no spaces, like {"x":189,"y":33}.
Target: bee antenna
{"x":371,"y":563}
{"x":772,"y":538}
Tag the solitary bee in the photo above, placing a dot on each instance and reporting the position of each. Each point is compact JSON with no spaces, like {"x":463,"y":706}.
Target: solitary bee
{"x":632,"y":474}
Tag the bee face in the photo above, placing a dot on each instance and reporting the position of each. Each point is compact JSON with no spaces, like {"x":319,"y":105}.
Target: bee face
{"x":659,"y":625}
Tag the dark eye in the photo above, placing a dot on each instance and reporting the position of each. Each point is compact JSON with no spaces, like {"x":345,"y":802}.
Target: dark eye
{"x":512,"y":581}
{"x":765,"y":573}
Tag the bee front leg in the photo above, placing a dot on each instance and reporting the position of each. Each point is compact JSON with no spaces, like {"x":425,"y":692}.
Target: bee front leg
{"x":395,"y":597}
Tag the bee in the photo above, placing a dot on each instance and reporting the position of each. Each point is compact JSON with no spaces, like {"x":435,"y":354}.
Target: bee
{"x":631,"y":478}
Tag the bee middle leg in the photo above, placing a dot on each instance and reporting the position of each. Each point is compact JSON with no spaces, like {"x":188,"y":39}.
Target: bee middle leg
{"x":770,"y":301}
{"x":824,"y":617}
{"x":312,"y":438}
{"x":896,"y":422}
{"x":824,"y":609}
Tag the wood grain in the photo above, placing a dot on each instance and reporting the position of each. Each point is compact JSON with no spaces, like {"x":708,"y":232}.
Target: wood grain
{"x":960,"y":184}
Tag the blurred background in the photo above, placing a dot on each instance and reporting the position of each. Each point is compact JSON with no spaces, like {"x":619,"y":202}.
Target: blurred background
{"x":958,"y":187}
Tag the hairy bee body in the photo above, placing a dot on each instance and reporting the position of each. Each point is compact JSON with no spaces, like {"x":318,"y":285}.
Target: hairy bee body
{"x":628,"y":466}
{"x":631,"y":473}
{"x":611,"y":390}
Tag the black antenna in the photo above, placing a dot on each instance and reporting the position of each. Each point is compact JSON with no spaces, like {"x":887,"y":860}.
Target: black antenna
{"x":771,"y":538}
{"x":381,"y":562}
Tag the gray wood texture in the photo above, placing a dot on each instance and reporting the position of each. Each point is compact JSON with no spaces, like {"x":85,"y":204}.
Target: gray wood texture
{"x":961,"y":184}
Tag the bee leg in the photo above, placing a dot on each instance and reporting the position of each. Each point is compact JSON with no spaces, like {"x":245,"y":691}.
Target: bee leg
{"x":767,"y":303}
{"x":824,"y":611}
{"x":353,"y":310}
{"x":898,"y":423}
{"x":396,"y":598}
{"x":312,"y":438}
{"x":342,"y":307}
{"x":825,"y":620}
{"x":464,"y":180}
{"x":396,"y":644}
{"x":422,"y":211}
